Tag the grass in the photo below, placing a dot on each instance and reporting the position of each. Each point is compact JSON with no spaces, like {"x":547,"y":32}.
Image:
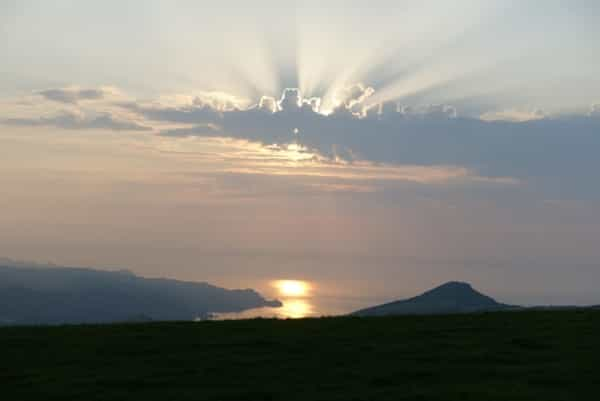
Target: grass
{"x":535,"y":355}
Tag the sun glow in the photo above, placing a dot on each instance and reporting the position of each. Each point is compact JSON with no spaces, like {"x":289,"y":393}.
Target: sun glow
{"x":292,"y":288}
{"x":295,"y":295}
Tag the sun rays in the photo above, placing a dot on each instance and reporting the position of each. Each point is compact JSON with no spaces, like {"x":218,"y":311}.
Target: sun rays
{"x":411,"y":52}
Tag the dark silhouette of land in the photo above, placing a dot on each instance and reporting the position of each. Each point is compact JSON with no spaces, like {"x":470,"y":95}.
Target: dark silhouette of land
{"x":53,"y":295}
{"x":463,"y":345}
{"x":515,"y":355}
{"x":451,"y":297}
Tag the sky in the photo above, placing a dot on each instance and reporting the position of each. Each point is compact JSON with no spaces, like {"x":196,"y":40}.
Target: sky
{"x":373,"y":150}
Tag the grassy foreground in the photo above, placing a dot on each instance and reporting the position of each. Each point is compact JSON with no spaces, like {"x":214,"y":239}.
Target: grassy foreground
{"x":536,"y":355}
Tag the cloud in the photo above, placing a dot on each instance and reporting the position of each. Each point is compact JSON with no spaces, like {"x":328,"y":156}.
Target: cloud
{"x":290,"y":100}
{"x":429,"y":111}
{"x":197,"y":130}
{"x":527,"y":146}
{"x":219,"y":101}
{"x":442,"y":111}
{"x":353,"y":98}
{"x":72,"y":95}
{"x":352,"y":188}
{"x":513,"y":115}
{"x":546,"y":150}
{"x":71,"y":120}
{"x":198,"y":113}
{"x":366,"y":171}
{"x":240,"y":157}
{"x":268,"y":104}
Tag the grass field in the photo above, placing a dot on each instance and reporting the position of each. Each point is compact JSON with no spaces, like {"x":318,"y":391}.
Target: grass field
{"x":535,"y":355}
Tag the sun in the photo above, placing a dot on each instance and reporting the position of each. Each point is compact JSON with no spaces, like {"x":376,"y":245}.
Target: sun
{"x":292,"y":288}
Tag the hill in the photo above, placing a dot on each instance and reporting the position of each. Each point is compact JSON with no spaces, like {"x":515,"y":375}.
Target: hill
{"x":53,"y":295}
{"x":451,"y":297}
{"x":525,"y":355}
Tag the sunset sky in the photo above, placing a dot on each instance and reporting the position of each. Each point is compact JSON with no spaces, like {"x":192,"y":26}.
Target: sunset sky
{"x":370,"y":152}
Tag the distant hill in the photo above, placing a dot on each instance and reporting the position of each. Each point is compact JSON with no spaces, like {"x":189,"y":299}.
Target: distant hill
{"x":452,"y":297}
{"x":52,"y":295}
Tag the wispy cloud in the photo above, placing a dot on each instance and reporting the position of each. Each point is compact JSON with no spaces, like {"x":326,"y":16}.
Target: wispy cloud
{"x":72,"y":121}
{"x":72,"y":95}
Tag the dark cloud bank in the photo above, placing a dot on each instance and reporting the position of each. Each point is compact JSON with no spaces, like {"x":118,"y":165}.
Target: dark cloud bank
{"x":557,"y":150}
{"x":558,"y":153}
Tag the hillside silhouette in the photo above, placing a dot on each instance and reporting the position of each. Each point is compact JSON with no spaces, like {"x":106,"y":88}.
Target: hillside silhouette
{"x":451,"y":297}
{"x":55,"y":295}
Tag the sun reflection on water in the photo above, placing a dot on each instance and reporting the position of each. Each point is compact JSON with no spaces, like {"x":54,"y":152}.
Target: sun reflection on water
{"x":295,"y":296}
{"x":295,"y":308}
